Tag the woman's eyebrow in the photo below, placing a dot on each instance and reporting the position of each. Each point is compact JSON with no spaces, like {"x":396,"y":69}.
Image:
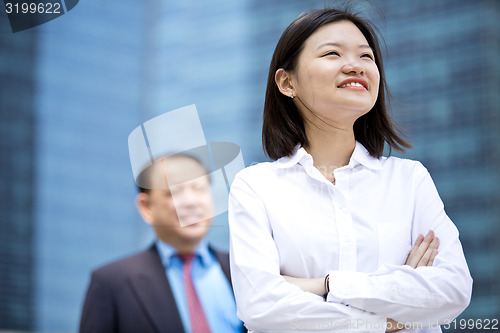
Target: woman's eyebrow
{"x":329,"y":44}
{"x":362,"y":46}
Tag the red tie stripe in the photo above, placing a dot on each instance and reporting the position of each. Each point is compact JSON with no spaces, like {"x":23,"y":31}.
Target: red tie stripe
{"x":199,"y":323}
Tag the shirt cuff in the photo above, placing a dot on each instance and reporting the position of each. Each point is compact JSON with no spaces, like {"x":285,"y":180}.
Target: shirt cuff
{"x":345,"y":285}
{"x":350,"y":288}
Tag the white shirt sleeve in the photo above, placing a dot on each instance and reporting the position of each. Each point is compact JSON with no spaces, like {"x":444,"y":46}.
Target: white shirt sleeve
{"x":265,"y":301}
{"x":425,"y":295}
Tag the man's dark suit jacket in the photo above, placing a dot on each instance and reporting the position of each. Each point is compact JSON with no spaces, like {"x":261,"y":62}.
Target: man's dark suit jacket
{"x":134,"y":295}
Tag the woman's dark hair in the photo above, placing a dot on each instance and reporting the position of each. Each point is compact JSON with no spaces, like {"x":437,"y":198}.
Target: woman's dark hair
{"x":283,"y":126}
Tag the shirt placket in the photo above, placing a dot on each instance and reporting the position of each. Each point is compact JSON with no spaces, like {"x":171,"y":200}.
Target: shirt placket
{"x":343,"y":221}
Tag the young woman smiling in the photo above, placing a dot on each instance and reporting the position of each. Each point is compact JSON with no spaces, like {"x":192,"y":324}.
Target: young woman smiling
{"x":329,"y":237}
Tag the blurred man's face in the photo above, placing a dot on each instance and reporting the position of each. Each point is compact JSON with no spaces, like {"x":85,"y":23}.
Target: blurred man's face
{"x":182,"y":213}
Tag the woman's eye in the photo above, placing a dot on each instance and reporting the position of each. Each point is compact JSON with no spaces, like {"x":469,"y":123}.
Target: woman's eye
{"x":335,"y":53}
{"x":367,"y":55}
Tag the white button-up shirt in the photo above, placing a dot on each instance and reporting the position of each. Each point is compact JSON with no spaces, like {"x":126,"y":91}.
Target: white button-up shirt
{"x":286,"y":218}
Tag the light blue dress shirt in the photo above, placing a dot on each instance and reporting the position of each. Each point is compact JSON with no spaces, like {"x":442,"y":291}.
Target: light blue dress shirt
{"x":212,"y":287}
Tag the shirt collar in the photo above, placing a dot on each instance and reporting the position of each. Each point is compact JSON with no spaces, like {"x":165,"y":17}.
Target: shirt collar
{"x":167,"y":251}
{"x":360,"y":156}
{"x":299,"y":155}
{"x":363,"y":157}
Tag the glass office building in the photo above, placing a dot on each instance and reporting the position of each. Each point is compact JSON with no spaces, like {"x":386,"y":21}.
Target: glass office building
{"x":444,"y":72}
{"x":17,"y":166}
{"x":73,"y":89}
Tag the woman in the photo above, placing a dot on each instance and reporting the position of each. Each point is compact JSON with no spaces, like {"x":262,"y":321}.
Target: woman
{"x":331,"y":215}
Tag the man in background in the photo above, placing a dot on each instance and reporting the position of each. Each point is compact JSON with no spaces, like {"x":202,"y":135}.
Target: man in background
{"x":179,"y":284}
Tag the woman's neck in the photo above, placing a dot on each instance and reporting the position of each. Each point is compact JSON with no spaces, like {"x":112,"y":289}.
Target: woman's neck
{"x":330,"y":149}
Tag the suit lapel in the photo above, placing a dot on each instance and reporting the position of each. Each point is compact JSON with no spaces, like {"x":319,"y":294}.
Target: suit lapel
{"x":152,"y":290}
{"x":223,"y":259}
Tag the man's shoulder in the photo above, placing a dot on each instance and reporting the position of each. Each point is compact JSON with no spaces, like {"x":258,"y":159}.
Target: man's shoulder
{"x":132,"y":263}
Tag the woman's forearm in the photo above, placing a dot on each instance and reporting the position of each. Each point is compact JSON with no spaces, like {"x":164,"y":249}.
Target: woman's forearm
{"x":422,"y":254}
{"x":315,"y":286}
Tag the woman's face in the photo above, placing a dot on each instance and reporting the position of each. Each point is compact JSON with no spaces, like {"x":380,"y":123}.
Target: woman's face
{"x":336,"y":76}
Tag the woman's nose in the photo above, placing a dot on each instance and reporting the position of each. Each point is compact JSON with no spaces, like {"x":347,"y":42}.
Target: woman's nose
{"x":353,"y":67}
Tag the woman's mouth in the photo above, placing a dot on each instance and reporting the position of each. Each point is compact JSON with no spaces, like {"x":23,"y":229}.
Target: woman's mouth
{"x":354,"y":83}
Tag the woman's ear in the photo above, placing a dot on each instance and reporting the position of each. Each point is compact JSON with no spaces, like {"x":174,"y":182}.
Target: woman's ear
{"x":284,"y":82}
{"x":144,"y":207}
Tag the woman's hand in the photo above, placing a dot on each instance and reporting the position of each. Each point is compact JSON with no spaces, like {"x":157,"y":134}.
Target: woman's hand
{"x":422,"y":254}
{"x":392,"y":326}
{"x":424,"y":251}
